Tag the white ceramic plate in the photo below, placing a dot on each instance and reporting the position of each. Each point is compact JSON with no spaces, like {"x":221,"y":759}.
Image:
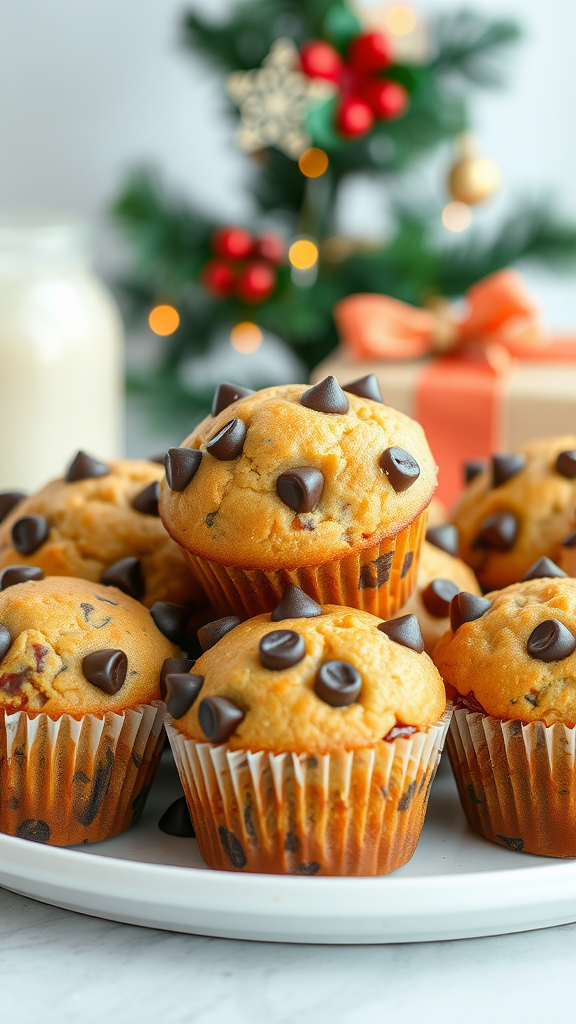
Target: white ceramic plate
{"x":456,"y":885}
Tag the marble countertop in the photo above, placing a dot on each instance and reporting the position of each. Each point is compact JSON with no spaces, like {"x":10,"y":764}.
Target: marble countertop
{"x":57,"y":966}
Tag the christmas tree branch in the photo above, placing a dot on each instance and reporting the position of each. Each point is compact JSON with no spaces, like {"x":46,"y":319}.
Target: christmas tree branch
{"x":470,"y":45}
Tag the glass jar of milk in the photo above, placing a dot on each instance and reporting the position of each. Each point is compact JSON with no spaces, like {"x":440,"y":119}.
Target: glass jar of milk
{"x":60,"y":353}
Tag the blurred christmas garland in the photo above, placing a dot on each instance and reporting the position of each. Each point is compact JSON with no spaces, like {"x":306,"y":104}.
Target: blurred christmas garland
{"x":321,"y":93}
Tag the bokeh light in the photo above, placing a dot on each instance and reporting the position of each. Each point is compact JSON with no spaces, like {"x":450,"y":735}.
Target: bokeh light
{"x":456,"y":216}
{"x":303,"y":254}
{"x":400,"y":20}
{"x":313,"y":162}
{"x":164,"y":320}
{"x":245,"y":337}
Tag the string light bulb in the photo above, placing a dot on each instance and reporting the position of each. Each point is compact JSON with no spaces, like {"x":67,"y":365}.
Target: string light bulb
{"x":313,"y":162}
{"x":164,"y":320}
{"x":456,"y":216}
{"x":400,"y":20}
{"x":303,"y":254}
{"x":245,"y":337}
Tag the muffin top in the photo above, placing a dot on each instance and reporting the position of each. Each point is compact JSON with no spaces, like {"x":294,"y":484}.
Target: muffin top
{"x":517,"y":509}
{"x":96,"y":516}
{"x":68,"y":646}
{"x":516,"y":659}
{"x":324,"y":681}
{"x":440,"y":577}
{"x":293,"y":476}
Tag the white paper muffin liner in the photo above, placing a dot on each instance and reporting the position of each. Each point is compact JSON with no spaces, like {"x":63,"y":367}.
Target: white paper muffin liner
{"x":65,"y":781}
{"x":517,"y":782}
{"x":354,"y":812}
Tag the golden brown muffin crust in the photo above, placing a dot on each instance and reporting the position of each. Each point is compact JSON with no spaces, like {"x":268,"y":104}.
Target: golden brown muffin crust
{"x":436,"y":564}
{"x":93,"y":525}
{"x":231,"y":513}
{"x":540,"y":498}
{"x":54,"y":623}
{"x":282,"y":711}
{"x":488,"y":657}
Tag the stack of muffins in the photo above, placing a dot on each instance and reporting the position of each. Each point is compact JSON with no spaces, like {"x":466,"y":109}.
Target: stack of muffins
{"x":274,"y":598}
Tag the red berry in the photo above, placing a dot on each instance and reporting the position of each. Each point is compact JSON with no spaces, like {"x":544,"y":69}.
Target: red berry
{"x":369,"y":53}
{"x":218,"y":277}
{"x":387,"y":99}
{"x":269,"y":247}
{"x":256,"y":282}
{"x":320,"y":60}
{"x":232,"y":243}
{"x":355,"y":117}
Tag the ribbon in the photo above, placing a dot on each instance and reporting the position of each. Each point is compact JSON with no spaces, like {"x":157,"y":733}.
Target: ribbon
{"x":460,"y":393}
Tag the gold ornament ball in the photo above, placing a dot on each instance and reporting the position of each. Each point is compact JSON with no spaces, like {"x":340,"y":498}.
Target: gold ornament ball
{"x":473,"y":179}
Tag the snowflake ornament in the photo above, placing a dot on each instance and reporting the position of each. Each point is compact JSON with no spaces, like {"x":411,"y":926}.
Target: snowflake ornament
{"x":274,"y":100}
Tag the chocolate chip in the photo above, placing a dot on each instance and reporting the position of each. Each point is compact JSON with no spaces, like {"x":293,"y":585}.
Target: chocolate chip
{"x":338,"y":683}
{"x":127,"y":575}
{"x":400,"y":732}
{"x":566,"y":464}
{"x":228,"y":443}
{"x":171,"y":619}
{"x":29,"y":533}
{"x":472,"y":469}
{"x":544,"y":568}
{"x":212,"y":632}
{"x":300,"y":488}
{"x":84,"y":467}
{"x":295,"y":604}
{"x":569,"y":542}
{"x":182,"y":690}
{"x":147,"y":501}
{"x":180,"y":466}
{"x":219,"y":717}
{"x":365,"y":387}
{"x":226,"y":394}
{"x":282,"y":648}
{"x":444,"y":537}
{"x":327,"y":396}
{"x":106,"y":670}
{"x":5,"y":641}
{"x":400,"y":467}
{"x":550,"y":641}
{"x":407,"y":564}
{"x":157,"y":458}
{"x":498,"y":532}
{"x":14,"y":574}
{"x":404,"y":630}
{"x":8,"y":501}
{"x":176,"y":821}
{"x":437,"y":596}
{"x":35,"y":830}
{"x":375,"y":574}
{"x":465,"y":607}
{"x":505,"y":466}
{"x":174,"y":666}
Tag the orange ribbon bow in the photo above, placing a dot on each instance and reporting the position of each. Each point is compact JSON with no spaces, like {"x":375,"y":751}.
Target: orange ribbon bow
{"x":459,"y":398}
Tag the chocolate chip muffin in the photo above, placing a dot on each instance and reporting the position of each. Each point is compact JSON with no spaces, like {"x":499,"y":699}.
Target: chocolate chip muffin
{"x":517,"y":509}
{"x":319,"y":487}
{"x":440,"y":576}
{"x":99,"y":522}
{"x":307,"y":739}
{"x":80,"y":714}
{"x":509,"y":660}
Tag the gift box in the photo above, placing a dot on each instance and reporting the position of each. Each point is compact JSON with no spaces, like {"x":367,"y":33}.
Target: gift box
{"x":489,"y":379}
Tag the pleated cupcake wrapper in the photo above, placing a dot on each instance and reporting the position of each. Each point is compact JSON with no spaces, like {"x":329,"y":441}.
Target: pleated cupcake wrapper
{"x":351,"y":813}
{"x":517,"y":783}
{"x":378,"y":579}
{"x":65,"y":781}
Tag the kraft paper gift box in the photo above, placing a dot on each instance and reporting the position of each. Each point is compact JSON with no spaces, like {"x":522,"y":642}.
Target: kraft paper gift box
{"x":489,"y":382}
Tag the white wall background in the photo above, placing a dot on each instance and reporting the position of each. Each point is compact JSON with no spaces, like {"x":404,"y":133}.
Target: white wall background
{"x":90,"y":88}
